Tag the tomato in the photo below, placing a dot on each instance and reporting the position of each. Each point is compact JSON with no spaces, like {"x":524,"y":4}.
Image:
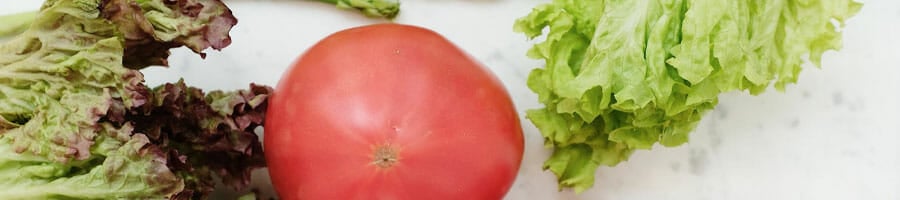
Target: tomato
{"x":391,"y":111}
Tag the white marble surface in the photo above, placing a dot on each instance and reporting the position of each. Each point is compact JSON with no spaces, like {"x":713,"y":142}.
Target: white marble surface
{"x":835,"y":135}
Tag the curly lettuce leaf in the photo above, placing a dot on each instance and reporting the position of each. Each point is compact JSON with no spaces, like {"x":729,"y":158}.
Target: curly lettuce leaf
{"x":162,"y":25}
{"x":77,"y":121}
{"x":204,"y":136}
{"x":626,"y":75}
{"x":129,"y":168}
{"x":58,"y":79}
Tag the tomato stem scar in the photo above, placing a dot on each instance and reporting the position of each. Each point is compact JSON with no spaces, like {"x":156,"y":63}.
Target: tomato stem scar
{"x":385,"y":156}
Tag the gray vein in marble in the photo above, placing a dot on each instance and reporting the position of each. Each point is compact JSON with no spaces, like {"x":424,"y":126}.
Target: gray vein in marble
{"x":698,"y":161}
{"x":721,"y":112}
{"x":837,"y":98}
{"x":675,"y":166}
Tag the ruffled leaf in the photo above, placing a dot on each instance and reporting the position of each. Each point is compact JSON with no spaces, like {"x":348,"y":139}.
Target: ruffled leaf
{"x":625,"y":75}
{"x":77,"y":121}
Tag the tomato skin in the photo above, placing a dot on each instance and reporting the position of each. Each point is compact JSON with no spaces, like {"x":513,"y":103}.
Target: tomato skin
{"x":447,"y":122}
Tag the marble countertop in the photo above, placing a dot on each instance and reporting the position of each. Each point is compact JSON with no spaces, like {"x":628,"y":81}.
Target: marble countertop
{"x":834,"y":135}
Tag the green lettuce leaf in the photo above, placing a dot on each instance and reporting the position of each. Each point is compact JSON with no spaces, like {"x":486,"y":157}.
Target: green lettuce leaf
{"x":626,"y":75}
{"x":124,"y":166}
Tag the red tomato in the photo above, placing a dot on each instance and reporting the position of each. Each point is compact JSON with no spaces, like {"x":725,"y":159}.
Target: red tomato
{"x":391,"y":112}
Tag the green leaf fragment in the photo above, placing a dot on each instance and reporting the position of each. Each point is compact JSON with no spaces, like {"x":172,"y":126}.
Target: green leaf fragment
{"x":387,"y":9}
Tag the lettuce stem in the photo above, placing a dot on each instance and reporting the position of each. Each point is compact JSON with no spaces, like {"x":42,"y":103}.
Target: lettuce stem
{"x":11,"y":25}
